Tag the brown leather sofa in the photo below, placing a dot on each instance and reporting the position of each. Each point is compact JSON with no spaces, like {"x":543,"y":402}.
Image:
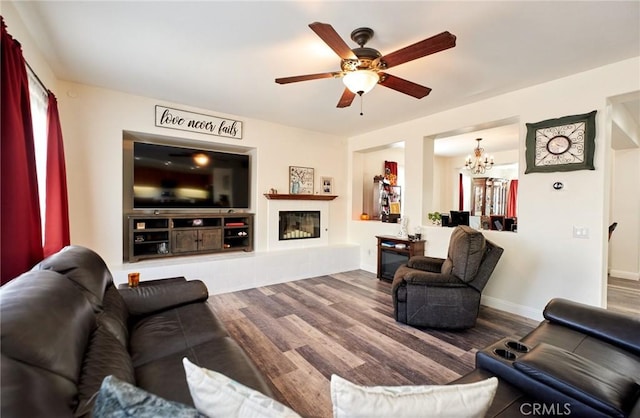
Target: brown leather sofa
{"x":581,"y":361}
{"x":65,"y":326}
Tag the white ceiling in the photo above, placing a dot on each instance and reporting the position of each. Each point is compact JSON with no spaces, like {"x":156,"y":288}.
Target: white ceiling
{"x":225,"y":55}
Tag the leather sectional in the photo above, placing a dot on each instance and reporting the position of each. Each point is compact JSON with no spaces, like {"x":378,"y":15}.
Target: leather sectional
{"x":581,"y":361}
{"x":65,"y":326}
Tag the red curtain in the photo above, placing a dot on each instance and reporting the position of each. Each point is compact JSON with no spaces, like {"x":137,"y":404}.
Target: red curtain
{"x":391,"y":172}
{"x":512,"y":199}
{"x":21,"y":234}
{"x":56,"y":225}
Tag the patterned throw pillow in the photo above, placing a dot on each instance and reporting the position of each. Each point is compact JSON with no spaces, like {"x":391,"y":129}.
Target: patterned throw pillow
{"x":118,"y":399}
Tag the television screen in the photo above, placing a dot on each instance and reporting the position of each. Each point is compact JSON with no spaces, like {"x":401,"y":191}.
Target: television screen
{"x":169,"y":177}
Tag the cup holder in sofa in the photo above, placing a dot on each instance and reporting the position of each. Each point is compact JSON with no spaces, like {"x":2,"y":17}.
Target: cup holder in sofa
{"x":517,"y":346}
{"x":505,"y":354}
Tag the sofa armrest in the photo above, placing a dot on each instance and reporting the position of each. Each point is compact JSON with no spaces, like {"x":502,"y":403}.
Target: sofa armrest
{"x":613,"y":327}
{"x":155,"y":282}
{"x":579,"y":378}
{"x":425,"y":263}
{"x":144,"y":300}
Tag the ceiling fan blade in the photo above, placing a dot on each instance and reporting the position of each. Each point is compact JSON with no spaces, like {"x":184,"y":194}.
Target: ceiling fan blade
{"x":346,"y":99}
{"x":295,"y":79}
{"x":331,"y":38}
{"x":404,"y":86}
{"x":437,"y":43}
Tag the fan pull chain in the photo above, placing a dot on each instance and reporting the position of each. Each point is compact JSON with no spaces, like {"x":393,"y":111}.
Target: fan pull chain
{"x":360,"y":94}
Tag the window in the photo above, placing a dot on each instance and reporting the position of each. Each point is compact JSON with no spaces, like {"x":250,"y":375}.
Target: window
{"x":39,"y":101}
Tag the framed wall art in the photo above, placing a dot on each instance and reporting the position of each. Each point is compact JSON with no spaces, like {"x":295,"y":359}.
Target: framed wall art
{"x":327,"y":185}
{"x":300,"y":180}
{"x":563,"y":144}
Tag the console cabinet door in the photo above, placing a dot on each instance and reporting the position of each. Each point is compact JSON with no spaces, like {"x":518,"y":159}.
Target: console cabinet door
{"x":210,"y":239}
{"x":184,"y":241}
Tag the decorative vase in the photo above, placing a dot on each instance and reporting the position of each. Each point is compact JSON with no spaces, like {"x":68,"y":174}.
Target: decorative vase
{"x":295,"y":187}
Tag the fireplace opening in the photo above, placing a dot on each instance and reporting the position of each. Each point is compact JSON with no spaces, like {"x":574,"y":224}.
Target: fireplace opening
{"x":299,"y":224}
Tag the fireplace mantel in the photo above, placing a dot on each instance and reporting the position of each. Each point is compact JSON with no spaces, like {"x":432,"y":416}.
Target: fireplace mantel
{"x":282,"y":196}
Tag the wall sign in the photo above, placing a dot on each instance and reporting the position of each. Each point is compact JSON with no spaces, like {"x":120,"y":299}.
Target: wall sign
{"x":183,"y":120}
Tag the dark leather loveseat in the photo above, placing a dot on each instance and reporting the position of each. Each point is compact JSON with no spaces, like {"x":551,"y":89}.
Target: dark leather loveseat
{"x":65,"y":326}
{"x":581,"y":361}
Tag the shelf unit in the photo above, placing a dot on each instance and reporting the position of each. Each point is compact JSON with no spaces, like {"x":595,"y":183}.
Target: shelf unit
{"x":390,"y":257}
{"x":166,"y":235}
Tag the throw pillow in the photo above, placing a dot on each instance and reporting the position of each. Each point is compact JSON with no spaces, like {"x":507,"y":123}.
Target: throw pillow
{"x":216,"y":395}
{"x":118,"y":399}
{"x":464,"y":400}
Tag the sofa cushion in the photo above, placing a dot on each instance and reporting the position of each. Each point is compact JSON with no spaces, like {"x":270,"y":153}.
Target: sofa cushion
{"x":216,"y":395}
{"x":46,"y":323}
{"x":105,"y":356}
{"x":118,"y":399}
{"x":462,"y":400}
{"x":29,"y":391}
{"x":82,"y":266}
{"x":466,"y":250}
{"x":173,"y":331}
{"x":166,"y":377}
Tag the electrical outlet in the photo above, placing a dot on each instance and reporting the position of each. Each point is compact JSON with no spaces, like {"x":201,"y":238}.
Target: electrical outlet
{"x":580,"y":232}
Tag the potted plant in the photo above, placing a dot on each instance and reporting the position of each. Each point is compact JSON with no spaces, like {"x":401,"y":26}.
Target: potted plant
{"x":435,"y":218}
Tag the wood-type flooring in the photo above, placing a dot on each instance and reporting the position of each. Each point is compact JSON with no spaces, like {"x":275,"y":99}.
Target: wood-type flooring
{"x":300,"y":333}
{"x":623,"y":295}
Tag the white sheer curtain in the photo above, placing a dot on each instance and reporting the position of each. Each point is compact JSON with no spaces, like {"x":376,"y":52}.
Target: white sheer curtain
{"x":38,"y":97}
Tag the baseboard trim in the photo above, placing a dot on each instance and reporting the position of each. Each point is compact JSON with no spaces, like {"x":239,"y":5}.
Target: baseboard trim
{"x":513,"y":308}
{"x":621,"y":274}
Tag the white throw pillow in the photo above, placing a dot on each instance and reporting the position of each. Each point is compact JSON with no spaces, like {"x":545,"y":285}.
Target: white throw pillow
{"x":216,"y":395}
{"x":465,"y":400}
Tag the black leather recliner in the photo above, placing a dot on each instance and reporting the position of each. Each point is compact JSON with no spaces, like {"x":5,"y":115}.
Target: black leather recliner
{"x":445,"y":293}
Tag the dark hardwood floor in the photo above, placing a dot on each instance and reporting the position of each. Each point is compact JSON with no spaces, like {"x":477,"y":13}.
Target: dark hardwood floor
{"x":299,"y":333}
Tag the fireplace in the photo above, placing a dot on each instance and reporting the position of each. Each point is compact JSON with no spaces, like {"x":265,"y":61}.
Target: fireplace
{"x":298,"y":224}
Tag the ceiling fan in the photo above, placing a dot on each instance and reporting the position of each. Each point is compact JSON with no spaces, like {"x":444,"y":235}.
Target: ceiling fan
{"x":362,"y":68}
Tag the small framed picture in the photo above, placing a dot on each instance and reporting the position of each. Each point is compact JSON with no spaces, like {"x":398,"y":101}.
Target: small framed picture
{"x":300,"y":180}
{"x":327,"y":185}
{"x":394,"y":208}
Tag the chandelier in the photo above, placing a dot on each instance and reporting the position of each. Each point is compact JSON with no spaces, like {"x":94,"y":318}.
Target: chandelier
{"x":478,"y":165}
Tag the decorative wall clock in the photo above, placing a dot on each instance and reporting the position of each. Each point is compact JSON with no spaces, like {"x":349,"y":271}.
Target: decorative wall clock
{"x":563,"y":144}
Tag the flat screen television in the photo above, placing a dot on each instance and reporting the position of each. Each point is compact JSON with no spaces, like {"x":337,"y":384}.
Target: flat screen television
{"x":171,"y":177}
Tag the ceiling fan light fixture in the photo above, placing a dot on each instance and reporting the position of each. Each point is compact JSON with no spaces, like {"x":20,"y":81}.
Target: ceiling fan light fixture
{"x":361,"y":81}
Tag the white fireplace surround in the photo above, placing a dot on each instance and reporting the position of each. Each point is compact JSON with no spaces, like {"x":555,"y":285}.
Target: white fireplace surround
{"x":274,"y":209}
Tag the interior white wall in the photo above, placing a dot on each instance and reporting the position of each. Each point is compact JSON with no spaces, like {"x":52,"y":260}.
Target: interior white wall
{"x":624,"y":247}
{"x":93,"y":120}
{"x":546,"y":260}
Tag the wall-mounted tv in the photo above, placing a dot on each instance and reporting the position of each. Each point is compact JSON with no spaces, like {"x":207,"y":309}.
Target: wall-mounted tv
{"x":171,"y":177}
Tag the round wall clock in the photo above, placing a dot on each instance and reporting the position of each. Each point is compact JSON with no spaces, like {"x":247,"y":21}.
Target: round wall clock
{"x":563,"y":144}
